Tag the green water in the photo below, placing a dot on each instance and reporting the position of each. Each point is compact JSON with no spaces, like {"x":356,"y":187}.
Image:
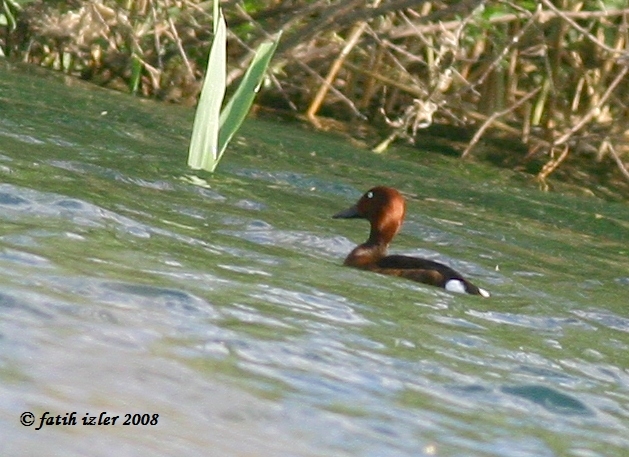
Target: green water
{"x":125,"y":288}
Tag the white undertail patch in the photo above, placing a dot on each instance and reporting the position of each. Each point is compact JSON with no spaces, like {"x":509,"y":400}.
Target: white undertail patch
{"x":456,"y":285}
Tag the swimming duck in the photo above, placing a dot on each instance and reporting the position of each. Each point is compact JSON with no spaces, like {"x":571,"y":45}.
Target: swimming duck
{"x":384,"y":208}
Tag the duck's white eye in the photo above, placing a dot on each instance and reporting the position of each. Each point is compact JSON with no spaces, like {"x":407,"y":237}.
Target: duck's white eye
{"x":369,"y":194}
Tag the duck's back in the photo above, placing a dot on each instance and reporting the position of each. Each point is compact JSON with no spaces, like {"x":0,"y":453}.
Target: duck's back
{"x":427,"y":272}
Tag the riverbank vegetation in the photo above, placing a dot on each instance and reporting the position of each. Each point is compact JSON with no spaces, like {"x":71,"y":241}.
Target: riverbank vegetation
{"x":536,"y":85}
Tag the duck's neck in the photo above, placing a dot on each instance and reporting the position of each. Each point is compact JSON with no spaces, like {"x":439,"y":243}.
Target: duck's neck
{"x":375,"y":248}
{"x":382,"y":231}
{"x":377,"y":238}
{"x":366,"y":254}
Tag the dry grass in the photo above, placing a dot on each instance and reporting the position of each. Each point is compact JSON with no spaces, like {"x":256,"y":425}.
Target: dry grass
{"x":551,"y":74}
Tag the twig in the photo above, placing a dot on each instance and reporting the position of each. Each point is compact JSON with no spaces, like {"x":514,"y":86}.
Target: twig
{"x":334,"y":90}
{"x":544,"y":16}
{"x":354,"y":36}
{"x":490,"y":120}
{"x":617,"y":158}
{"x":153,"y":72}
{"x":514,"y":41}
{"x":565,"y":16}
{"x":401,"y":66}
{"x":156,"y":36}
{"x":507,"y":128}
{"x":551,"y":166}
{"x":173,"y":29}
{"x":588,"y":117}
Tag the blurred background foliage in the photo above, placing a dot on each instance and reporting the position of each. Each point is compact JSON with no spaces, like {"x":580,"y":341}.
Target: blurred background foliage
{"x":541,"y":84}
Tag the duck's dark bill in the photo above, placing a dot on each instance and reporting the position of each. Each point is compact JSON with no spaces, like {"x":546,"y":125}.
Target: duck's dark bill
{"x":349,"y":213}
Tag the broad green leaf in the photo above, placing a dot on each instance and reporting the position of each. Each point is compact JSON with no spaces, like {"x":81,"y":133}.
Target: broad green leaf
{"x":203,"y":152}
{"x":238,"y":106}
{"x":216,"y":12}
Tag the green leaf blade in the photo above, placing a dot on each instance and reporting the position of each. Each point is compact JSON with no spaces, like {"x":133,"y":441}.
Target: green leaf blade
{"x":238,"y":106}
{"x":203,"y":151}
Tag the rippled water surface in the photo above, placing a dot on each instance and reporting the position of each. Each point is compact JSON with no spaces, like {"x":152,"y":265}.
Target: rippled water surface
{"x":126,"y":287}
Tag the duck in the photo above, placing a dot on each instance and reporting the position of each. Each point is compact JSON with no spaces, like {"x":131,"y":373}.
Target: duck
{"x":385,"y":208}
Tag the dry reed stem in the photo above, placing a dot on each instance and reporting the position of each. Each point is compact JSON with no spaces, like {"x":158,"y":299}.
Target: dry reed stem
{"x":410,"y":59}
{"x":412,"y":90}
{"x":354,"y":36}
{"x":617,"y":159}
{"x":551,"y":166}
{"x":156,"y":36}
{"x":567,"y":16}
{"x":544,"y":16}
{"x":182,"y":52}
{"x":588,"y":117}
{"x":490,"y":120}
{"x":370,"y":86}
{"x":503,"y":53}
{"x":333,"y":89}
